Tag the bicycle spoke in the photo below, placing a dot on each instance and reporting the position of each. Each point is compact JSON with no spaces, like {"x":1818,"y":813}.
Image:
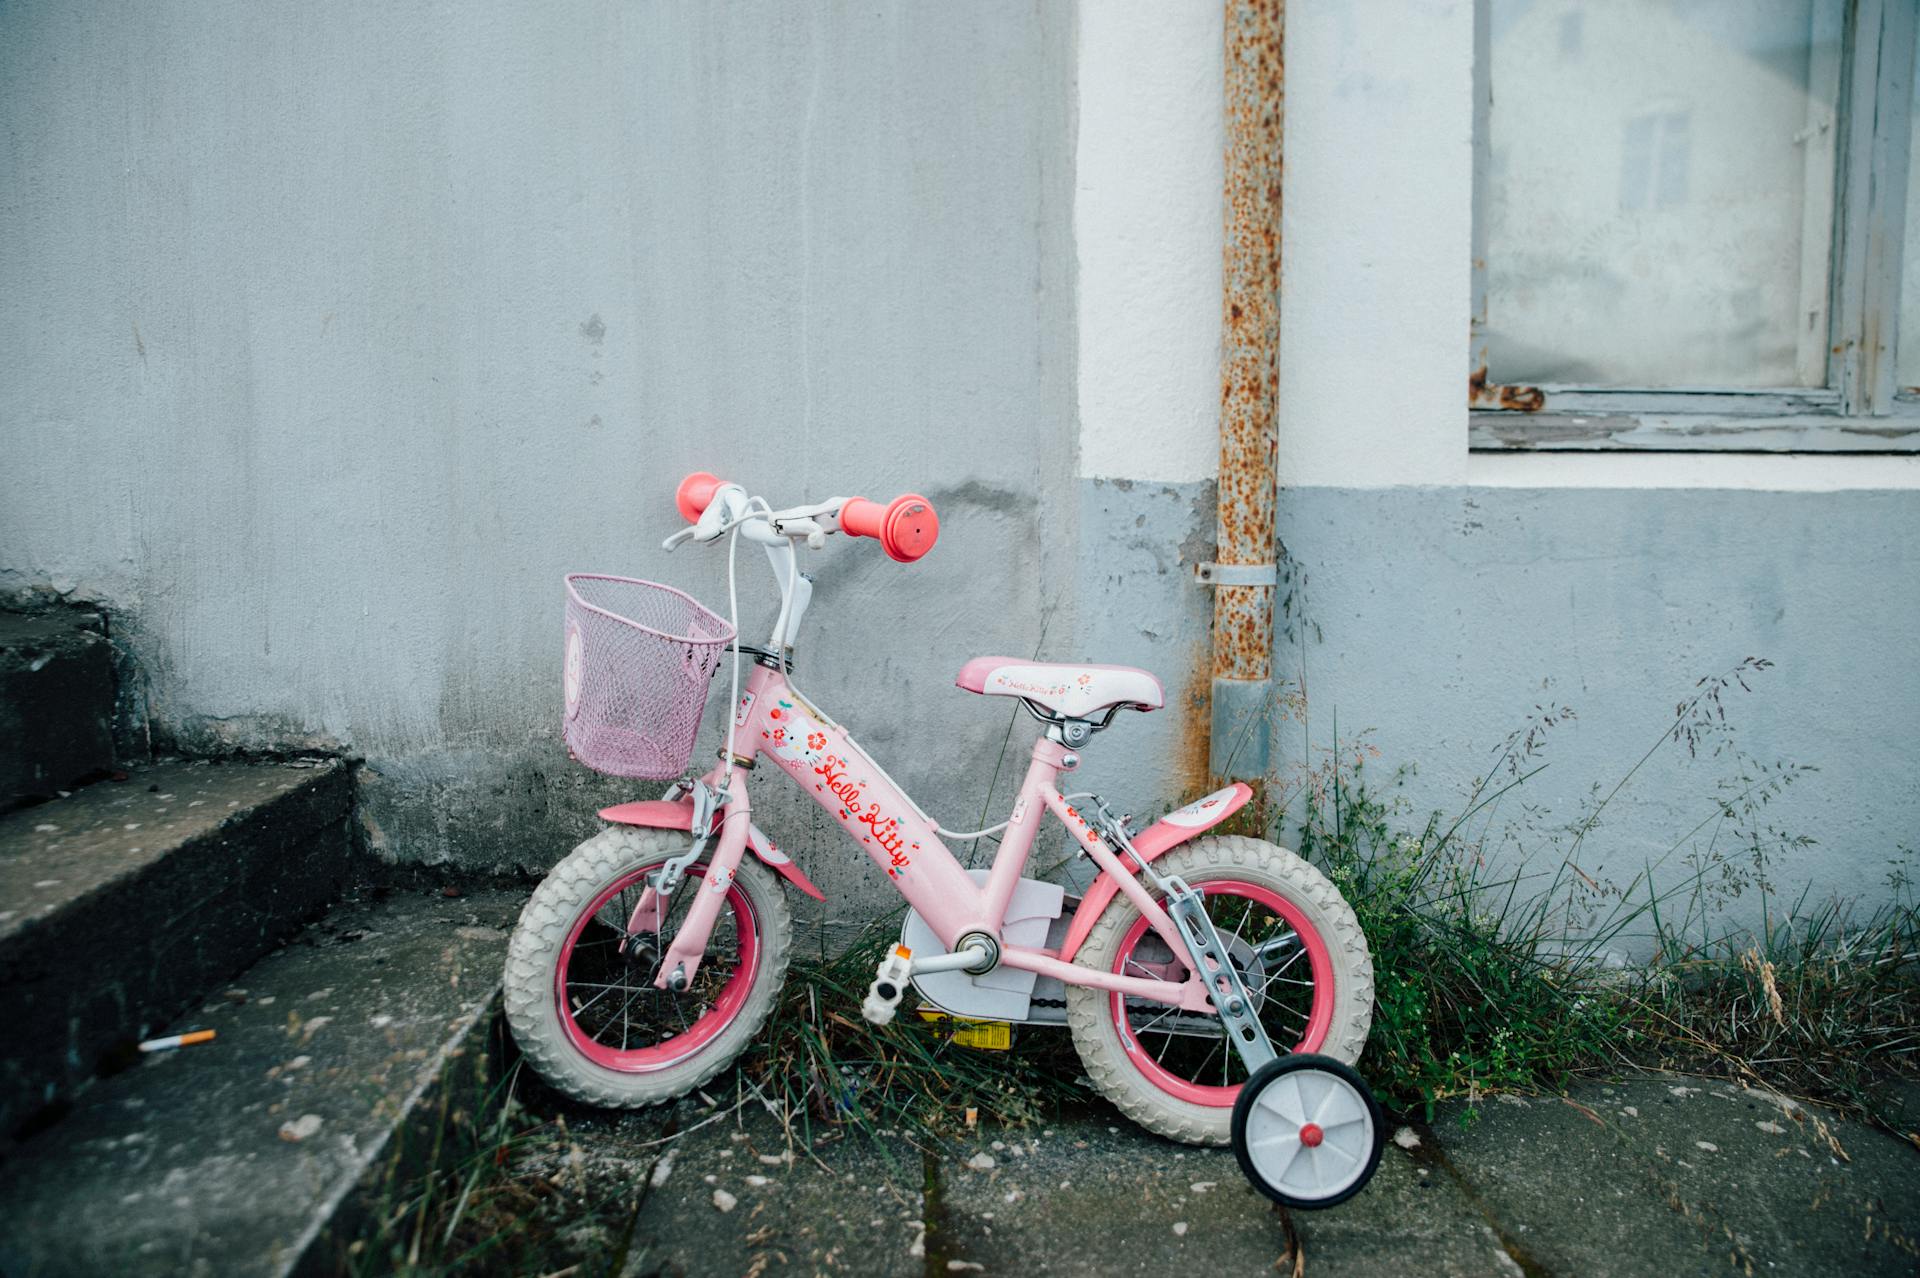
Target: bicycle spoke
{"x":590,"y":1002}
{"x":1169,"y":1010}
{"x":1244,"y":916}
{"x":622,"y":1014}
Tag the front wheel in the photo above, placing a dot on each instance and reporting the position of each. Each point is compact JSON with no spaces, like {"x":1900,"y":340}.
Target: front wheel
{"x":580,"y":994}
{"x":1298,"y":948}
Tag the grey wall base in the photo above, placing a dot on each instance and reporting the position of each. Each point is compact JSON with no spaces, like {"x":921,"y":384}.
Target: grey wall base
{"x":1430,"y":623}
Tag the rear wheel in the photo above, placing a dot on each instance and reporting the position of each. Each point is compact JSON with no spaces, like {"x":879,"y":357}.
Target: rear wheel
{"x":580,"y":991}
{"x":1297,"y":947}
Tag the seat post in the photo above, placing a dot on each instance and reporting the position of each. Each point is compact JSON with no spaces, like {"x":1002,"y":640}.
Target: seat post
{"x":1049,"y":758}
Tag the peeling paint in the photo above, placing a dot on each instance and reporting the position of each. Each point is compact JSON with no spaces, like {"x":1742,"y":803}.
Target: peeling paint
{"x":1516,"y":399}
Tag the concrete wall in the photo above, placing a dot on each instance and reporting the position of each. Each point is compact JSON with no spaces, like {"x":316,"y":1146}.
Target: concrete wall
{"x":334,"y":339}
{"x":1437,"y":596}
{"x":335,"y":336}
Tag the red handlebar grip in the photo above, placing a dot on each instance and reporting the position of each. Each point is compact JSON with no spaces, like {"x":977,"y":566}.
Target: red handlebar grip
{"x":693,"y":494}
{"x":906,"y":527}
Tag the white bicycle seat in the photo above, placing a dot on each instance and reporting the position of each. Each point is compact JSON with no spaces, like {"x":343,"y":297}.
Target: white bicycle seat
{"x":1073,"y":689}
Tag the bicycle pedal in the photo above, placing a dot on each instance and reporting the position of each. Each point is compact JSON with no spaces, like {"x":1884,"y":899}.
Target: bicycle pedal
{"x":889,"y":986}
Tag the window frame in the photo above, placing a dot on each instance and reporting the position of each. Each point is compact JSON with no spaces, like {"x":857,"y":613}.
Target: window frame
{"x":1859,"y":409}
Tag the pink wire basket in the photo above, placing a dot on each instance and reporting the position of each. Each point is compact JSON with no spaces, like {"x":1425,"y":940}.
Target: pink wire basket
{"x":640,"y":658}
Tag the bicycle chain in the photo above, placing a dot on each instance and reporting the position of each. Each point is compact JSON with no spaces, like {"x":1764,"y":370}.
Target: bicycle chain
{"x":1062,"y":1003}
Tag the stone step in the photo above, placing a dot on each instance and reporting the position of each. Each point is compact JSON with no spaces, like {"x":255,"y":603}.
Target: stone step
{"x":236,"y":1156}
{"x":124,"y":902}
{"x":56,"y":702}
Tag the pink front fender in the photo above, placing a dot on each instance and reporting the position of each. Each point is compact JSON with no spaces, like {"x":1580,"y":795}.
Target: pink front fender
{"x":671,"y":814}
{"x":1170,"y":831}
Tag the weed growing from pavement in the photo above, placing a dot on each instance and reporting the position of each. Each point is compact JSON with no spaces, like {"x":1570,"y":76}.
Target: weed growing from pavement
{"x":1492,"y":979}
{"x":484,"y":1187}
{"x":821,"y":1065}
{"x":1820,"y":1003}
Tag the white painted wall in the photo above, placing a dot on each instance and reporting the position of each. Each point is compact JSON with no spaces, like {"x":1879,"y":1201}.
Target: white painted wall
{"x":1376,"y":232}
{"x":1377,"y":226}
{"x":1376,"y":238}
{"x":1146,"y":221}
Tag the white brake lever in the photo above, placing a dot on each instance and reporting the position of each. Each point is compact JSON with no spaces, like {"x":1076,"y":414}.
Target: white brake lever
{"x":727,"y":506}
{"x":678,"y":539}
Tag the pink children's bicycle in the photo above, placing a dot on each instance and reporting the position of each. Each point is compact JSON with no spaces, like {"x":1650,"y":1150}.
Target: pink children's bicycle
{"x":1217,"y":987}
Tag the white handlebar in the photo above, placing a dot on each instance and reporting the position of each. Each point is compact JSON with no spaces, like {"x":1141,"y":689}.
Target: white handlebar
{"x":731,"y":508}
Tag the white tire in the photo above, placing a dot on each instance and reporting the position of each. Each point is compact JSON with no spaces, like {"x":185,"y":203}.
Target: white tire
{"x":558,"y":1048}
{"x":1156,"y":1096}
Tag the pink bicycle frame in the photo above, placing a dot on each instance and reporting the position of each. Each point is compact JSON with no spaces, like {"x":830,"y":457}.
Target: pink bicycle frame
{"x":773,"y":721}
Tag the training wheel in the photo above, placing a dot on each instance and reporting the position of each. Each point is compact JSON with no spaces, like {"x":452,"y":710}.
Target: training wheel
{"x":1307,"y":1131}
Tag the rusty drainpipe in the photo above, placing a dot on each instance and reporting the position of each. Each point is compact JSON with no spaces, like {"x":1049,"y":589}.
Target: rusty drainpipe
{"x":1244,"y":578}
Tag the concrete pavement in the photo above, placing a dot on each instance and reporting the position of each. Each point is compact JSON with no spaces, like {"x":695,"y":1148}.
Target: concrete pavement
{"x":1652,"y":1175}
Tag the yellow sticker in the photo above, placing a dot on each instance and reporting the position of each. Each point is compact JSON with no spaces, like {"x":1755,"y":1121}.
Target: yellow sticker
{"x":988,"y":1036}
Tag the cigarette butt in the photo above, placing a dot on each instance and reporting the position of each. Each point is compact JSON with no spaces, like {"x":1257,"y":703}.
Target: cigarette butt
{"x":177,"y":1040}
{"x":973,"y":1116}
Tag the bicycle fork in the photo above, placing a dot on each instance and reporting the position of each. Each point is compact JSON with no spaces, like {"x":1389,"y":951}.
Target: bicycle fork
{"x":682,"y":959}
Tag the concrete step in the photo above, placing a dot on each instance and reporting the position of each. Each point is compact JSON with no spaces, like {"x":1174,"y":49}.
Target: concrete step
{"x":235,"y":1156}
{"x":56,"y":702}
{"x":122,"y":903}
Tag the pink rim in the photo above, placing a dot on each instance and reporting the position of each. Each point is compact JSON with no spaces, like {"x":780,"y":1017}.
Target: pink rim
{"x":676,"y":1048}
{"x":1319,"y":1018}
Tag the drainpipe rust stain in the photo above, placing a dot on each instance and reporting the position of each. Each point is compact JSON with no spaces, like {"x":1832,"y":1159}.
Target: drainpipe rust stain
{"x":1193,"y":773}
{"x":1250,"y":337}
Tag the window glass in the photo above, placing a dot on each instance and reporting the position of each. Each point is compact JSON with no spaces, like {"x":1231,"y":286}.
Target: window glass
{"x":1659,"y":191}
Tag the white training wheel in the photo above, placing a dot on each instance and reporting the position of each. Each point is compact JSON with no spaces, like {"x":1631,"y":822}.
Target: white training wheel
{"x":1307,"y":1131}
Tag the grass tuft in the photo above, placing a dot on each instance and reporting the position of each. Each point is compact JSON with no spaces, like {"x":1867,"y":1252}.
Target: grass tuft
{"x":823,"y":1064}
{"x":1519,"y":979}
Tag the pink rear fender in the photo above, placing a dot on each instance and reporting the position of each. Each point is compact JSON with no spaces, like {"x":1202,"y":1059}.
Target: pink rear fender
{"x":672,"y":814}
{"x":1170,"y":831}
